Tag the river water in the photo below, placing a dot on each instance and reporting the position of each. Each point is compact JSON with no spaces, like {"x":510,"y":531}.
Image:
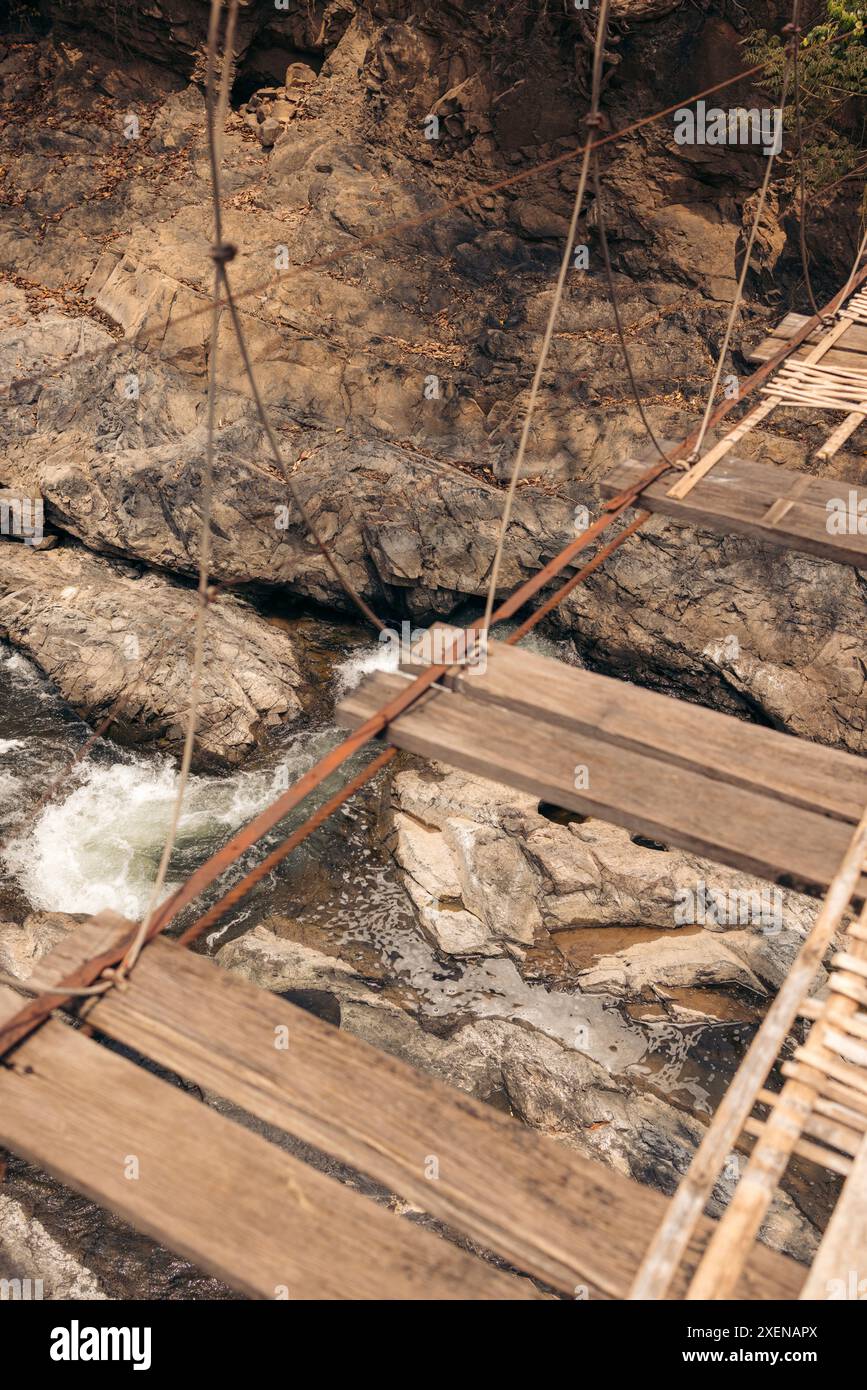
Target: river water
{"x":97,"y":844}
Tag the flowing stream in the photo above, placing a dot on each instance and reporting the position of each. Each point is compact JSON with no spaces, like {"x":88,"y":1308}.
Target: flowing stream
{"x":97,"y":843}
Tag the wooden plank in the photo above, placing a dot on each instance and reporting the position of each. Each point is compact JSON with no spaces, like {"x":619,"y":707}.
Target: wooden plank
{"x":226,"y":1199}
{"x":840,"y":1264}
{"x":854,"y":340}
{"x":769,"y":481}
{"x":543,"y":1207}
{"x":834,"y":357}
{"x":731,"y":824}
{"x":717,"y":745}
{"x":734,"y":497}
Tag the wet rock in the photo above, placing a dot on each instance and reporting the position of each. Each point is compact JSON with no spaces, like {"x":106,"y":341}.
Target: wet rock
{"x":102,"y":631}
{"x":28,"y":1251}
{"x":278,"y":963}
{"x":22,"y":947}
{"x":483,"y":856}
{"x":695,"y":961}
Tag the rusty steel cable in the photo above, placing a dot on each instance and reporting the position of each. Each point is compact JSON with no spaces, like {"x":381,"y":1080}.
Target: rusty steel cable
{"x":38,"y":1009}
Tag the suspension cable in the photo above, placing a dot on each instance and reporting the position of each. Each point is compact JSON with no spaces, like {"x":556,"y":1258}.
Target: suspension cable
{"x":565,"y":263}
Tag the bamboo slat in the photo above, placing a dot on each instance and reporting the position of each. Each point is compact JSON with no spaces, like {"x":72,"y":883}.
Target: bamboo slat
{"x":839,"y":1269}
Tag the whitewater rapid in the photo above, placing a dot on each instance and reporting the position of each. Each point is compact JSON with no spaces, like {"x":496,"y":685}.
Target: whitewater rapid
{"x":97,"y":844}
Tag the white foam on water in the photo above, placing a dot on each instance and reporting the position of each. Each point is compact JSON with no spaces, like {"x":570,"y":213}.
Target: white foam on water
{"x":348,"y":673}
{"x":10,"y":795}
{"x":100,"y":846}
{"x":385,"y":656}
{"x":22,"y":671}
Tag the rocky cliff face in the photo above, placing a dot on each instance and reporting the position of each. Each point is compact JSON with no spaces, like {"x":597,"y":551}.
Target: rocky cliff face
{"x":398,"y":372}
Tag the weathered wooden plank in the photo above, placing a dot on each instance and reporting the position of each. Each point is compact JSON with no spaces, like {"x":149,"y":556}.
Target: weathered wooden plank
{"x":731,"y":824}
{"x":834,"y":357}
{"x":735,"y":496}
{"x":226,"y":1199}
{"x":839,"y":1269}
{"x":854,"y":340}
{"x":856,"y":336}
{"x":569,"y":1221}
{"x":716,"y":745}
{"x":769,"y":481}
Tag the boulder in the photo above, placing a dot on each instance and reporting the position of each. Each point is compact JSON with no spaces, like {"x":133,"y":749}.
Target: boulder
{"x":22,"y":947}
{"x":269,"y":131}
{"x":694,"y":960}
{"x":29,"y":1251}
{"x":486,"y":871}
{"x":105,"y":632}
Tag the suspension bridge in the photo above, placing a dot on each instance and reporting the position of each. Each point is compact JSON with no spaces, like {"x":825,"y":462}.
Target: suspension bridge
{"x":510,"y":1214}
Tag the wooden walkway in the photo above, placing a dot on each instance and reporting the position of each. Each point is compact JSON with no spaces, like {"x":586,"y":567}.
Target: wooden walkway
{"x":524,"y":1217}
{"x":850,"y":351}
{"x":774,"y":504}
{"x":748,"y":797}
{"x":242,"y":1209}
{"x":820,"y":1114}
